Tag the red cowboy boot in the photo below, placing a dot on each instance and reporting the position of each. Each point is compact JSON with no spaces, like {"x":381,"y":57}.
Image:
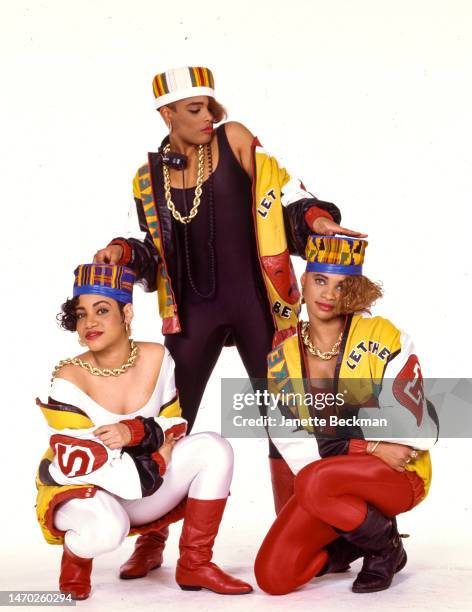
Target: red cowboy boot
{"x":194,"y":568}
{"x":282,"y":482}
{"x":147,"y":555}
{"x":75,"y":575}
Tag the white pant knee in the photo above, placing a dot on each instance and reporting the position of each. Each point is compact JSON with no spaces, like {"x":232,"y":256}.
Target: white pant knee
{"x":215,"y":460}
{"x":201,"y":467}
{"x":215,"y":449}
{"x":103,"y":535}
{"x":93,"y":526}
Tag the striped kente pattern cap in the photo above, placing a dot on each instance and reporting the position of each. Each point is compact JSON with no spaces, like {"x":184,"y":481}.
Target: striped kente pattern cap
{"x":335,"y":254}
{"x":181,"y":83}
{"x":105,"y":279}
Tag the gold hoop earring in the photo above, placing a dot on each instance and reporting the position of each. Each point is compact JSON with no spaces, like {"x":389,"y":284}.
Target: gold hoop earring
{"x":128,"y":329}
{"x":82,"y":343}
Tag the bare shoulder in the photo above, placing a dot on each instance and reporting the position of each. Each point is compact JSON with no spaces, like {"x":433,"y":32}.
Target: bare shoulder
{"x":72,"y":373}
{"x":240,"y":140}
{"x":150,"y":359}
{"x":152,"y":351}
{"x":238,"y":134}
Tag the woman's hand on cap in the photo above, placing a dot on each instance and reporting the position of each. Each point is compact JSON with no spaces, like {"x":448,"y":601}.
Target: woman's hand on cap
{"x":109,"y":255}
{"x":328,"y":227}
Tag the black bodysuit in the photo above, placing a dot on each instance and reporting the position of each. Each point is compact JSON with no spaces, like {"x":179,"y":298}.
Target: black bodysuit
{"x":238,"y":312}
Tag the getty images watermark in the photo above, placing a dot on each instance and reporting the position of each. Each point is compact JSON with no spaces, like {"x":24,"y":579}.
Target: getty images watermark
{"x":273,"y":402}
{"x":349,"y":408}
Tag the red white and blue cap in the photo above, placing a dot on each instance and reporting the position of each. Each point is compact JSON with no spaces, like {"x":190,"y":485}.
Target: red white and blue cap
{"x":105,"y":279}
{"x":335,"y":254}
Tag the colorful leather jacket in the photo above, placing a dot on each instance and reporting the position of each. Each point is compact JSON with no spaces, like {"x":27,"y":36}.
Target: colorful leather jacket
{"x":377,"y":376}
{"x":279,"y":205}
{"x":76,"y":458}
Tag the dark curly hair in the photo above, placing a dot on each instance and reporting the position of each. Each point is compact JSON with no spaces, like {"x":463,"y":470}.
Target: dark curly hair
{"x":358,"y":293}
{"x":68,"y":318}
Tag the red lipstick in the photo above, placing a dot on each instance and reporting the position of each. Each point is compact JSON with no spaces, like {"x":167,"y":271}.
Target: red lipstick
{"x":91,"y":335}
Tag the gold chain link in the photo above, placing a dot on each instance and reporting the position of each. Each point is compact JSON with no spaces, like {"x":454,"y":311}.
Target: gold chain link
{"x":198,"y":189}
{"x":98,"y":371}
{"x":312,"y":349}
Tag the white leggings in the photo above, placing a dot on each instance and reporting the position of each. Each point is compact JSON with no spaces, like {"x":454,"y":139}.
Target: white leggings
{"x":201,"y":467}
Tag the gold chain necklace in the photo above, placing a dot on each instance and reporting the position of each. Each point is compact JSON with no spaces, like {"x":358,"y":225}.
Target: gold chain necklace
{"x":98,"y":371}
{"x":198,"y":188}
{"x":313,"y":350}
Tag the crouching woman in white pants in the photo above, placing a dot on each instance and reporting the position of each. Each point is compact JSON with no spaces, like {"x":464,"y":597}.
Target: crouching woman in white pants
{"x":118,"y":461}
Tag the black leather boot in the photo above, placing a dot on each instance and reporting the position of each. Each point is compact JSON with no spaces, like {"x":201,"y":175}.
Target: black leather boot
{"x":384,"y":553}
{"x":341,"y":554}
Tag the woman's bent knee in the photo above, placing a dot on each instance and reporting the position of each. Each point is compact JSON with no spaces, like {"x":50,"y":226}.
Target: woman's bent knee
{"x":271,"y":577}
{"x":107,"y":533}
{"x":218,"y":448}
{"x":312,"y":484}
{"x":210,"y":447}
{"x":93,"y":526}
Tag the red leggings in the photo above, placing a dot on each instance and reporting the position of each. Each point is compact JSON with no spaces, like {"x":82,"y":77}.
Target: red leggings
{"x":332,"y":492}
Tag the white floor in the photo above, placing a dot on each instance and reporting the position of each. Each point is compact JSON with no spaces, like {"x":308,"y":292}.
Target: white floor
{"x":430,"y":581}
{"x":438,"y":575}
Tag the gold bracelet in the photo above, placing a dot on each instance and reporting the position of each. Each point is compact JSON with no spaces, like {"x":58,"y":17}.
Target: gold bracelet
{"x":372,"y":450}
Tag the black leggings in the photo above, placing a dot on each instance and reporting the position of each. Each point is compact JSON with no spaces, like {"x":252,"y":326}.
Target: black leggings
{"x":206,"y":327}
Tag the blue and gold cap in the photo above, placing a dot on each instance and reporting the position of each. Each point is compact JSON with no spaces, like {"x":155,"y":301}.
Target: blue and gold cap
{"x":105,"y":279}
{"x":335,"y":254}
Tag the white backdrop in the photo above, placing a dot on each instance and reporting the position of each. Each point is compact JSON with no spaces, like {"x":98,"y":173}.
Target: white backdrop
{"x":368,"y":102}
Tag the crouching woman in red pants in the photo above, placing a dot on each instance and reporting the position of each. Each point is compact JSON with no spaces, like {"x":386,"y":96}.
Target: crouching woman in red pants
{"x":344,"y":504}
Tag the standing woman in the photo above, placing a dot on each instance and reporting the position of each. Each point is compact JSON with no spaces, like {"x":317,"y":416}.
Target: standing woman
{"x":344,"y":504}
{"x":219,"y":219}
{"x":114,"y":466}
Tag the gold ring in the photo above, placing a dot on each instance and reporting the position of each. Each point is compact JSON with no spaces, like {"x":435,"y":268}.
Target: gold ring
{"x":407,"y":460}
{"x":414,"y":454}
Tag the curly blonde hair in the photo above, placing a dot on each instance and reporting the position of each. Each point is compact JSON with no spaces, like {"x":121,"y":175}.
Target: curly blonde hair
{"x":358,"y":293}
